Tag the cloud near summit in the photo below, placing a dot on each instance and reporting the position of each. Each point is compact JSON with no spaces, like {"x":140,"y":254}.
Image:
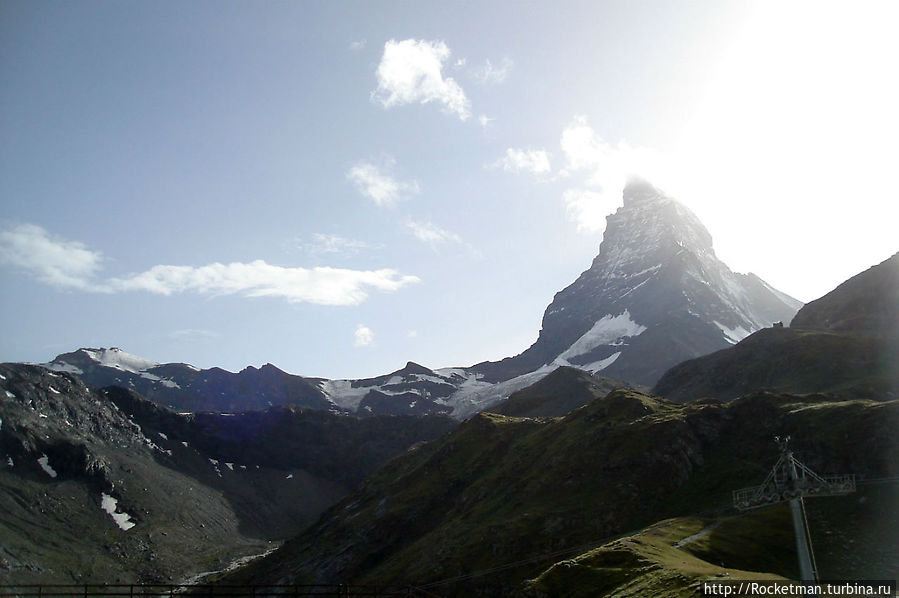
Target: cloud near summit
{"x":70,"y":265}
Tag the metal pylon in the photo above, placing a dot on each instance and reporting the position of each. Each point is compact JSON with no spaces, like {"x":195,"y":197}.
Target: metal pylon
{"x":791,"y":481}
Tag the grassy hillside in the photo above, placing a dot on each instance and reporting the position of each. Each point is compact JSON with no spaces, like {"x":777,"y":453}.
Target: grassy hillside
{"x":500,"y":490}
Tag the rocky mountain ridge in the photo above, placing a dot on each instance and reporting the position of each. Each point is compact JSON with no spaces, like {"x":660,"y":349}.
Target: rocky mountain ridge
{"x":846,"y":342}
{"x":654,"y":296}
{"x":105,"y":485}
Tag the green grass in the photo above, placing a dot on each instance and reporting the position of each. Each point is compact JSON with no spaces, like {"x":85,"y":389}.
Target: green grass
{"x":648,"y":563}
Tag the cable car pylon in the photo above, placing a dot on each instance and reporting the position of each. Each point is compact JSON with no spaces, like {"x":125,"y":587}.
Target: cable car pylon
{"x":791,"y":481}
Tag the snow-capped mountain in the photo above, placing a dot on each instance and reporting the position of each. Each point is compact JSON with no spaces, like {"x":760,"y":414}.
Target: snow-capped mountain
{"x":654,"y":296}
{"x":412,"y":390}
{"x":187,"y":388}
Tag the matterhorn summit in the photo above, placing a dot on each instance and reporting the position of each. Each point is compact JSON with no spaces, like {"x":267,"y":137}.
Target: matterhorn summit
{"x":654,"y":296}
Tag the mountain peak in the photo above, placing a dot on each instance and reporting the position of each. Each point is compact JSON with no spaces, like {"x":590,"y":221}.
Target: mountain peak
{"x":655,"y":295}
{"x":638,"y":189}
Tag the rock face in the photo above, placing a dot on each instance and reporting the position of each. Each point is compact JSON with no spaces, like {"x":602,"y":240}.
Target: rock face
{"x":654,"y":296}
{"x":867,"y":303}
{"x":846,"y":342}
{"x":105,"y":486}
{"x":184,"y":387}
{"x":566,"y":388}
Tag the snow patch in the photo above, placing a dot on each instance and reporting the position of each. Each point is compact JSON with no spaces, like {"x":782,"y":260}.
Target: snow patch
{"x":342,"y":393}
{"x":62,"y":366}
{"x":54,"y":391}
{"x":608,"y":330}
{"x":44,"y":462}
{"x":110,"y":505}
{"x":2,"y":377}
{"x":163,"y":436}
{"x":169,"y":383}
{"x":10,"y":395}
{"x":120,"y":360}
{"x":733,"y":335}
{"x":10,"y":462}
{"x":289,"y":477}
{"x":475,"y":395}
{"x":450,"y":372}
{"x":602,"y":364}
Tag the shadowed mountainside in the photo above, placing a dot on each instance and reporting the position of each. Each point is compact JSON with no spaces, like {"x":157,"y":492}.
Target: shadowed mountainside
{"x":499,"y":490}
{"x":846,"y":342}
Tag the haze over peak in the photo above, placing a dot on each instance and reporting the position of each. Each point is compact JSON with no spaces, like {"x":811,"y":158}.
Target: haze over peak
{"x":656,"y":294}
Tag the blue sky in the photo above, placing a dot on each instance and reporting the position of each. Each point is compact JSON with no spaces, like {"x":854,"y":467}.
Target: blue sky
{"x":340,"y":187}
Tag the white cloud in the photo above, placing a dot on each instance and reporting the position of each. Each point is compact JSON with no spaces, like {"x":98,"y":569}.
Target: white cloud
{"x":488,"y":73}
{"x":410,"y":72}
{"x":193,"y":335}
{"x":69,"y":264}
{"x":607,"y":170}
{"x":332,"y":244}
{"x":517,"y":160}
{"x":357,"y":45}
{"x":54,"y":261}
{"x":379,"y":186}
{"x":320,"y":285}
{"x":588,"y":209}
{"x":363,"y":336}
{"x":485,"y":120}
{"x":431,"y":234}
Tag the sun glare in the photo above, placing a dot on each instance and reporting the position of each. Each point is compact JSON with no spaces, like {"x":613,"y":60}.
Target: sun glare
{"x":798,"y":122}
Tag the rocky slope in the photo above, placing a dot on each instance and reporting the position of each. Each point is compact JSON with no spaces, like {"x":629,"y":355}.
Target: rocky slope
{"x":867,"y":303}
{"x":106,"y":486}
{"x":557,"y":394}
{"x":184,"y":387}
{"x":654,"y":296}
{"x":846,"y":342}
{"x":498,"y":491}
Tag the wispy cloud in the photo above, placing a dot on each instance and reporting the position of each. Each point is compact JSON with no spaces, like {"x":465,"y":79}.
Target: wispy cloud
{"x":357,"y":45}
{"x":334,"y":245}
{"x":430,"y":233}
{"x":587,"y":209}
{"x":515,"y":160}
{"x":320,"y":285}
{"x":607,"y":168}
{"x":375,"y":183}
{"x":193,"y":335}
{"x":51,"y":260}
{"x":485,"y":120}
{"x":363,"y":336}
{"x":492,"y":74}
{"x":69,"y":264}
{"x":411,"y":71}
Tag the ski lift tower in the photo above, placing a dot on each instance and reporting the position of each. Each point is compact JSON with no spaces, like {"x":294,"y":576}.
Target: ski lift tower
{"x":791,"y":481}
